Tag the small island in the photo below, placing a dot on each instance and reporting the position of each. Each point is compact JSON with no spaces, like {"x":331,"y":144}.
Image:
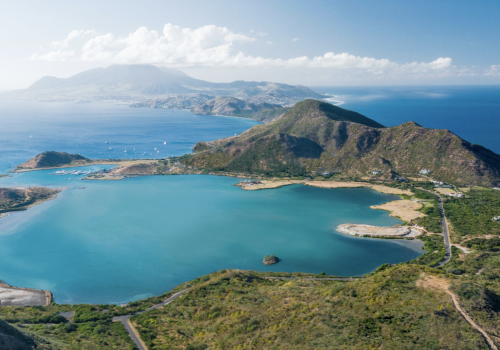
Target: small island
{"x":270,"y":260}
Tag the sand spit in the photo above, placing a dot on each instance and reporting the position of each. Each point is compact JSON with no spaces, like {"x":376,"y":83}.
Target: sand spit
{"x":268,"y":184}
{"x":14,"y":296}
{"x":378,"y":231}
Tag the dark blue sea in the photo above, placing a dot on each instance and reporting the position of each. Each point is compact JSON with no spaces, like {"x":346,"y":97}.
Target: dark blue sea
{"x":471,"y":112}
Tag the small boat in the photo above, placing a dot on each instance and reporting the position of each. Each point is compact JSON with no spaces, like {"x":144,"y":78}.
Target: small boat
{"x":165,"y":142}
{"x":155,"y":148}
{"x":110,"y":148}
{"x":106,"y":142}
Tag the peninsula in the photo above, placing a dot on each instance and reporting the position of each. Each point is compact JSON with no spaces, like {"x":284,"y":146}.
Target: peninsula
{"x":15,"y":199}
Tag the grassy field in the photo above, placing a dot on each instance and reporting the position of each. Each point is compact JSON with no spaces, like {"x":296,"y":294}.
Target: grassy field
{"x":243,"y":310}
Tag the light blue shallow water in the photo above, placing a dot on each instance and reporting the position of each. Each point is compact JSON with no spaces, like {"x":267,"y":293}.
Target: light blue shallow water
{"x":124,"y":240}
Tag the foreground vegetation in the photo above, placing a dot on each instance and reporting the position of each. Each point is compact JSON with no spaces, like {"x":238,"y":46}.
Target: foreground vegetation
{"x":243,"y":310}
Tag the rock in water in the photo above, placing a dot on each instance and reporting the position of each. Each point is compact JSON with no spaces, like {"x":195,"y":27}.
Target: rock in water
{"x":270,"y":259}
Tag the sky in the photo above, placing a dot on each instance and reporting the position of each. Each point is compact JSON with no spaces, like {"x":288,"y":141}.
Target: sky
{"x":313,"y":42}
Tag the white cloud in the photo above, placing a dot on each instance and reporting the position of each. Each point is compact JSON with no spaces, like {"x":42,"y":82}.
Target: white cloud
{"x":493,"y":71}
{"x":295,"y":39}
{"x":269,"y":42}
{"x":74,"y":34}
{"x":212,"y":46}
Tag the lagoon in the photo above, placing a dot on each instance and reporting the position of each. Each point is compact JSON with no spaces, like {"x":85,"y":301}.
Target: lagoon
{"x":117,"y":241}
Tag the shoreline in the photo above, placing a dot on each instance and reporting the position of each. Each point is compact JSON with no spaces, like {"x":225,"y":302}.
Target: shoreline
{"x":396,"y":231}
{"x":19,"y":296}
{"x":37,"y":202}
{"x":117,"y":162}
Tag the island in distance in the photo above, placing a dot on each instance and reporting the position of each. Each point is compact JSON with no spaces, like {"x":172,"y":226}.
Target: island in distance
{"x":146,"y":85}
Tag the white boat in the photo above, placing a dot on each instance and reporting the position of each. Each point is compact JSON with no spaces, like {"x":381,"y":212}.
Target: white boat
{"x":165,"y":142}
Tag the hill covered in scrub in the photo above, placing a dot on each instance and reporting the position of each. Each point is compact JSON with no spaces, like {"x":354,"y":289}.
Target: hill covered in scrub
{"x":317,"y":137}
{"x":13,"y":199}
{"x":53,"y":159}
{"x":235,"y":107}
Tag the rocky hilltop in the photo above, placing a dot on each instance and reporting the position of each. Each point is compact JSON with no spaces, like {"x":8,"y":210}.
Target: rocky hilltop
{"x":53,"y":159}
{"x":235,"y":107}
{"x":317,"y":137}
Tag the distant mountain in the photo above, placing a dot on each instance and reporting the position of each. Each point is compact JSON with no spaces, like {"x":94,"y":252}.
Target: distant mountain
{"x":53,"y":159}
{"x":140,"y":81}
{"x":235,"y":107}
{"x":315,"y":136}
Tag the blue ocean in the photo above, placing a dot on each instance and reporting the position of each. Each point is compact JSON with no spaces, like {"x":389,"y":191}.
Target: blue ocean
{"x":116,"y":241}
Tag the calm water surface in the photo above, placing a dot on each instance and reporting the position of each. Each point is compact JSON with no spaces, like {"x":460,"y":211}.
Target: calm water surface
{"x":116,"y":241}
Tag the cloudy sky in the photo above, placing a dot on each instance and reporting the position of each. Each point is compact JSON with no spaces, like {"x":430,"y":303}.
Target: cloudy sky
{"x":311,"y":42}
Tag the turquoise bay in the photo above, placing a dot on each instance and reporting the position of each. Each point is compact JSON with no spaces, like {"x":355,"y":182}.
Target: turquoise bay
{"x":117,"y":241}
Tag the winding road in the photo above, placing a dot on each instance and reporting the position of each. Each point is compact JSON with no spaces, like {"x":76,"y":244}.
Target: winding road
{"x":131,"y":329}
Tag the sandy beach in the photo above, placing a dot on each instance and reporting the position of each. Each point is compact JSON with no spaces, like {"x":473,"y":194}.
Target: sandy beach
{"x":403,"y":209}
{"x":268,"y":184}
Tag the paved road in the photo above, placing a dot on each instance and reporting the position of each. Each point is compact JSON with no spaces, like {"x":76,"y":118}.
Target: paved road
{"x":350,"y":279}
{"x":132,"y":331}
{"x":445,"y":234}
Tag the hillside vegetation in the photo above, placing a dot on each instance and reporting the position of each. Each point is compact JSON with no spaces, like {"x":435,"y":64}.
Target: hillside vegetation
{"x":14,"y":199}
{"x":316,"y":137}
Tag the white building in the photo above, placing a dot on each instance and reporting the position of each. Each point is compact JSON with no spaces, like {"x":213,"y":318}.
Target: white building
{"x":424,"y":172}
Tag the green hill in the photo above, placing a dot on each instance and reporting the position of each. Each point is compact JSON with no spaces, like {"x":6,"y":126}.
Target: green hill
{"x":318,"y":137}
